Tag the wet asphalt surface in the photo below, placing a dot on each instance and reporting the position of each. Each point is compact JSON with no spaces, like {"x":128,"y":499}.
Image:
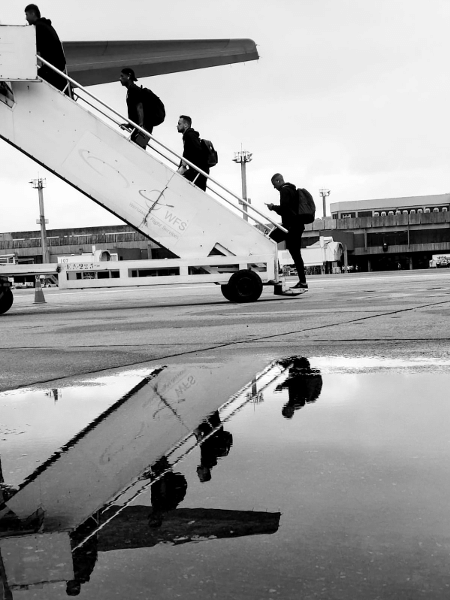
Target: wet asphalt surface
{"x":169,"y":444}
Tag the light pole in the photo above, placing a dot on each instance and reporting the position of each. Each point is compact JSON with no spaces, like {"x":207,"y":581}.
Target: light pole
{"x":243,"y":157}
{"x":39,"y":184}
{"x":324,"y":193}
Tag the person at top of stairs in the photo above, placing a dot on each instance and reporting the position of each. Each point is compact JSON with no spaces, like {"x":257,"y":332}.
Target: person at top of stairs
{"x":48,"y":46}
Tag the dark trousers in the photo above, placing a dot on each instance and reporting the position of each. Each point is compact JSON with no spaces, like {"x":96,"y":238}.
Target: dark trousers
{"x":294,"y":245}
{"x":201,"y":180}
{"x":53,"y":78}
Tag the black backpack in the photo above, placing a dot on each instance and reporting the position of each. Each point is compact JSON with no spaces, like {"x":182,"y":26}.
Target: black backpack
{"x":154,"y":111}
{"x":212,"y":158}
{"x":306,"y":206}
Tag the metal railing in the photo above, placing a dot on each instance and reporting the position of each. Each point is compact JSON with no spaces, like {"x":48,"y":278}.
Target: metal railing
{"x":72,"y":91}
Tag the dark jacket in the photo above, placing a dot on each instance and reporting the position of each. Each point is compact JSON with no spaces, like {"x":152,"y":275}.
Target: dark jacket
{"x":134,"y":97}
{"x":288,"y":209}
{"x":48,"y":44}
{"x":193,"y":149}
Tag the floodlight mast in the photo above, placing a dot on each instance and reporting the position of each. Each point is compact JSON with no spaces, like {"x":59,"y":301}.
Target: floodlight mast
{"x":39,"y":184}
{"x":324,"y":193}
{"x":243,"y":157}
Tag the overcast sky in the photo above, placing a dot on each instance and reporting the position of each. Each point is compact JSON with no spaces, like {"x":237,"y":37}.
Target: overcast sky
{"x":349,"y":95}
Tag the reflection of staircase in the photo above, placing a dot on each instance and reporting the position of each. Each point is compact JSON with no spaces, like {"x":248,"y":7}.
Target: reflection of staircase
{"x":130,"y":528}
{"x":122,"y":442}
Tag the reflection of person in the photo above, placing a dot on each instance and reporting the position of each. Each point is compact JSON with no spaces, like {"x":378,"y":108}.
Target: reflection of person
{"x":213,"y":447}
{"x":303,"y":384}
{"x":192,"y":151}
{"x":9,"y":522}
{"x":167,"y":492}
{"x":291,"y":220}
{"x":48,"y":46}
{"x":5,"y":590}
{"x":3,"y":496}
{"x":84,"y":558}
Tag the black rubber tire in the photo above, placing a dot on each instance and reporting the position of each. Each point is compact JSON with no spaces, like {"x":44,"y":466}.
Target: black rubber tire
{"x":227,"y":293}
{"x":243,"y":286}
{"x":6,"y":299}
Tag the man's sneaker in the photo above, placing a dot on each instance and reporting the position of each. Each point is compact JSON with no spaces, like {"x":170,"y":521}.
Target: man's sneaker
{"x":300,"y":286}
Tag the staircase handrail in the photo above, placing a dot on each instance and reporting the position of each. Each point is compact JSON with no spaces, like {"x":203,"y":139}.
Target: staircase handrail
{"x":146,"y":133}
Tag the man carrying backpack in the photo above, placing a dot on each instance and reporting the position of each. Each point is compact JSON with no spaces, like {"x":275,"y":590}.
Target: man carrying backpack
{"x":293,"y":222}
{"x":144,"y":108}
{"x":193,"y":151}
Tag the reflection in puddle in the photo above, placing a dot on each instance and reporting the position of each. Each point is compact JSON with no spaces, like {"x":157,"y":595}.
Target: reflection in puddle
{"x":58,"y":509}
{"x":361,"y":364}
{"x":303,"y":384}
{"x":215,"y":443}
{"x":295,"y":482}
{"x":37,"y":422}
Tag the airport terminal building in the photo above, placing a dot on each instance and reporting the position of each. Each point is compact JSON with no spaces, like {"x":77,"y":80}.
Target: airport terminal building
{"x":409,"y":205}
{"x":390,"y":233}
{"x":377,"y":235}
{"x":123,"y":240}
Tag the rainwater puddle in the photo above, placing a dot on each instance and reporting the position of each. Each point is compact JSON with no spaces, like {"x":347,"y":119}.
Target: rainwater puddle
{"x":37,"y":422}
{"x":306,"y":478}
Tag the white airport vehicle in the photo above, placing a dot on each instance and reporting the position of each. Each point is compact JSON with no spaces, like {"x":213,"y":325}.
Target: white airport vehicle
{"x":326,"y":250}
{"x":77,"y":137}
{"x":440,"y":261}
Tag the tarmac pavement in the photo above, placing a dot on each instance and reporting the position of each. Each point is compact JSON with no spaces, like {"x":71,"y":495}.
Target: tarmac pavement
{"x":77,"y":332}
{"x":326,"y":478}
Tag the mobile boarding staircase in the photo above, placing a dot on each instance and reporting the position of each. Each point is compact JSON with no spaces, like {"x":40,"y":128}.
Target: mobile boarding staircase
{"x":76,"y":136}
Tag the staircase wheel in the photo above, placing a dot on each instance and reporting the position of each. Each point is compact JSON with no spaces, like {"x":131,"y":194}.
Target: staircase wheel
{"x":243,"y":286}
{"x":228,"y":293}
{"x":6,"y":299}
